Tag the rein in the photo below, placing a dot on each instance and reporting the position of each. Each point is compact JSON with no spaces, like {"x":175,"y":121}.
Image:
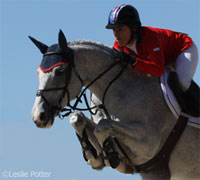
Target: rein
{"x":101,"y":106}
{"x":65,"y":90}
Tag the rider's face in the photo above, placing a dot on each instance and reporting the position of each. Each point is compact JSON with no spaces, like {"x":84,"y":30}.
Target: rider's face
{"x":122,"y":35}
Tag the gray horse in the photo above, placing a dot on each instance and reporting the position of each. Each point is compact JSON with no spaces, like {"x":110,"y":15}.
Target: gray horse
{"x":130,"y":121}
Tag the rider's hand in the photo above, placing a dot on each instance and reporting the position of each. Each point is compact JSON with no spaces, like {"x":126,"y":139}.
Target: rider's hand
{"x":123,"y":56}
{"x":130,"y":59}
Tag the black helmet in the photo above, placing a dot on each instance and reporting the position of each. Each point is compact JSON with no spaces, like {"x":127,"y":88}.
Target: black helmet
{"x":123,"y":15}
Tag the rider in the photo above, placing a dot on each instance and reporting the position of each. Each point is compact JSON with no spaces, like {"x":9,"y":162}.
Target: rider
{"x":152,"y":49}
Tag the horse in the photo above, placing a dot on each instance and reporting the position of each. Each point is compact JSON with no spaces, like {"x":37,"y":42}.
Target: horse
{"x":130,"y":121}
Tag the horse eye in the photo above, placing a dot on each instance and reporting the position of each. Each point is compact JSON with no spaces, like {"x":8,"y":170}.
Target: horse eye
{"x":59,"y":72}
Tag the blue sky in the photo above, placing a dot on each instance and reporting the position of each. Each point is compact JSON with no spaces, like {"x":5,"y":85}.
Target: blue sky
{"x":25,"y":148}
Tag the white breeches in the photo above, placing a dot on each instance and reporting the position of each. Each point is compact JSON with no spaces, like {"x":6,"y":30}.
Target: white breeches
{"x":185,"y":66}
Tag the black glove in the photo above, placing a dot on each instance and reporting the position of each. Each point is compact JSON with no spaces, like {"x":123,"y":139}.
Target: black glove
{"x":125,"y":57}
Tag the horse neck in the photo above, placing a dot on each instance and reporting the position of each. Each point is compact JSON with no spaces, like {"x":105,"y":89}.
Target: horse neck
{"x":91,"y":59}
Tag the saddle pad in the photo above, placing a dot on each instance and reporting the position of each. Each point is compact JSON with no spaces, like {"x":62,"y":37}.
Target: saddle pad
{"x":172,"y":102}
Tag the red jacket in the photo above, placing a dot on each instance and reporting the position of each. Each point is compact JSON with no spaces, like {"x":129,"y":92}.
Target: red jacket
{"x":159,"y":47}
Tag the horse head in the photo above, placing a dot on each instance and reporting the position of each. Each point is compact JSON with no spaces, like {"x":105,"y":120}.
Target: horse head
{"x":55,"y":73}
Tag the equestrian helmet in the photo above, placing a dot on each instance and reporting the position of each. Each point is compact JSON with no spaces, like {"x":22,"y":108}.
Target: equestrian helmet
{"x":123,"y":15}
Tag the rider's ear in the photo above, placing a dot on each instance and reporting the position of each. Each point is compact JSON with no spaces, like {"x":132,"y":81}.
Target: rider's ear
{"x":62,"y":41}
{"x":42,"y":47}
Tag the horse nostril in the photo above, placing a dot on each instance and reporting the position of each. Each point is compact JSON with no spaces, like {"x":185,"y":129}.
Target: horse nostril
{"x":42,"y":116}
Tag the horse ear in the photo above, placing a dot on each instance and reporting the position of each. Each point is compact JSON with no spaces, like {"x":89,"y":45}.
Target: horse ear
{"x":62,"y":41}
{"x":42,"y":47}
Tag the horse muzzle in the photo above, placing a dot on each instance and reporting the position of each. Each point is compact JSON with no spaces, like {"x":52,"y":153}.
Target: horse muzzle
{"x":42,"y":117}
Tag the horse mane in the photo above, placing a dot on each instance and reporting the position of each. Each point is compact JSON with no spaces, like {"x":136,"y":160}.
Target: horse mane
{"x":97,"y":45}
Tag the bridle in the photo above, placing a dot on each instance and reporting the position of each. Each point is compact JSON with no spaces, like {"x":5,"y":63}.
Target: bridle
{"x":64,"y":89}
{"x":40,"y":93}
{"x":71,"y":108}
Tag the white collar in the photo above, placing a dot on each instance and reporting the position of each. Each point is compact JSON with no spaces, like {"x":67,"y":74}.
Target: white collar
{"x":133,"y":47}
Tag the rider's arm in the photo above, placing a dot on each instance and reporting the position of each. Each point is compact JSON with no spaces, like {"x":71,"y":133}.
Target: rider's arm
{"x":153,"y":64}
